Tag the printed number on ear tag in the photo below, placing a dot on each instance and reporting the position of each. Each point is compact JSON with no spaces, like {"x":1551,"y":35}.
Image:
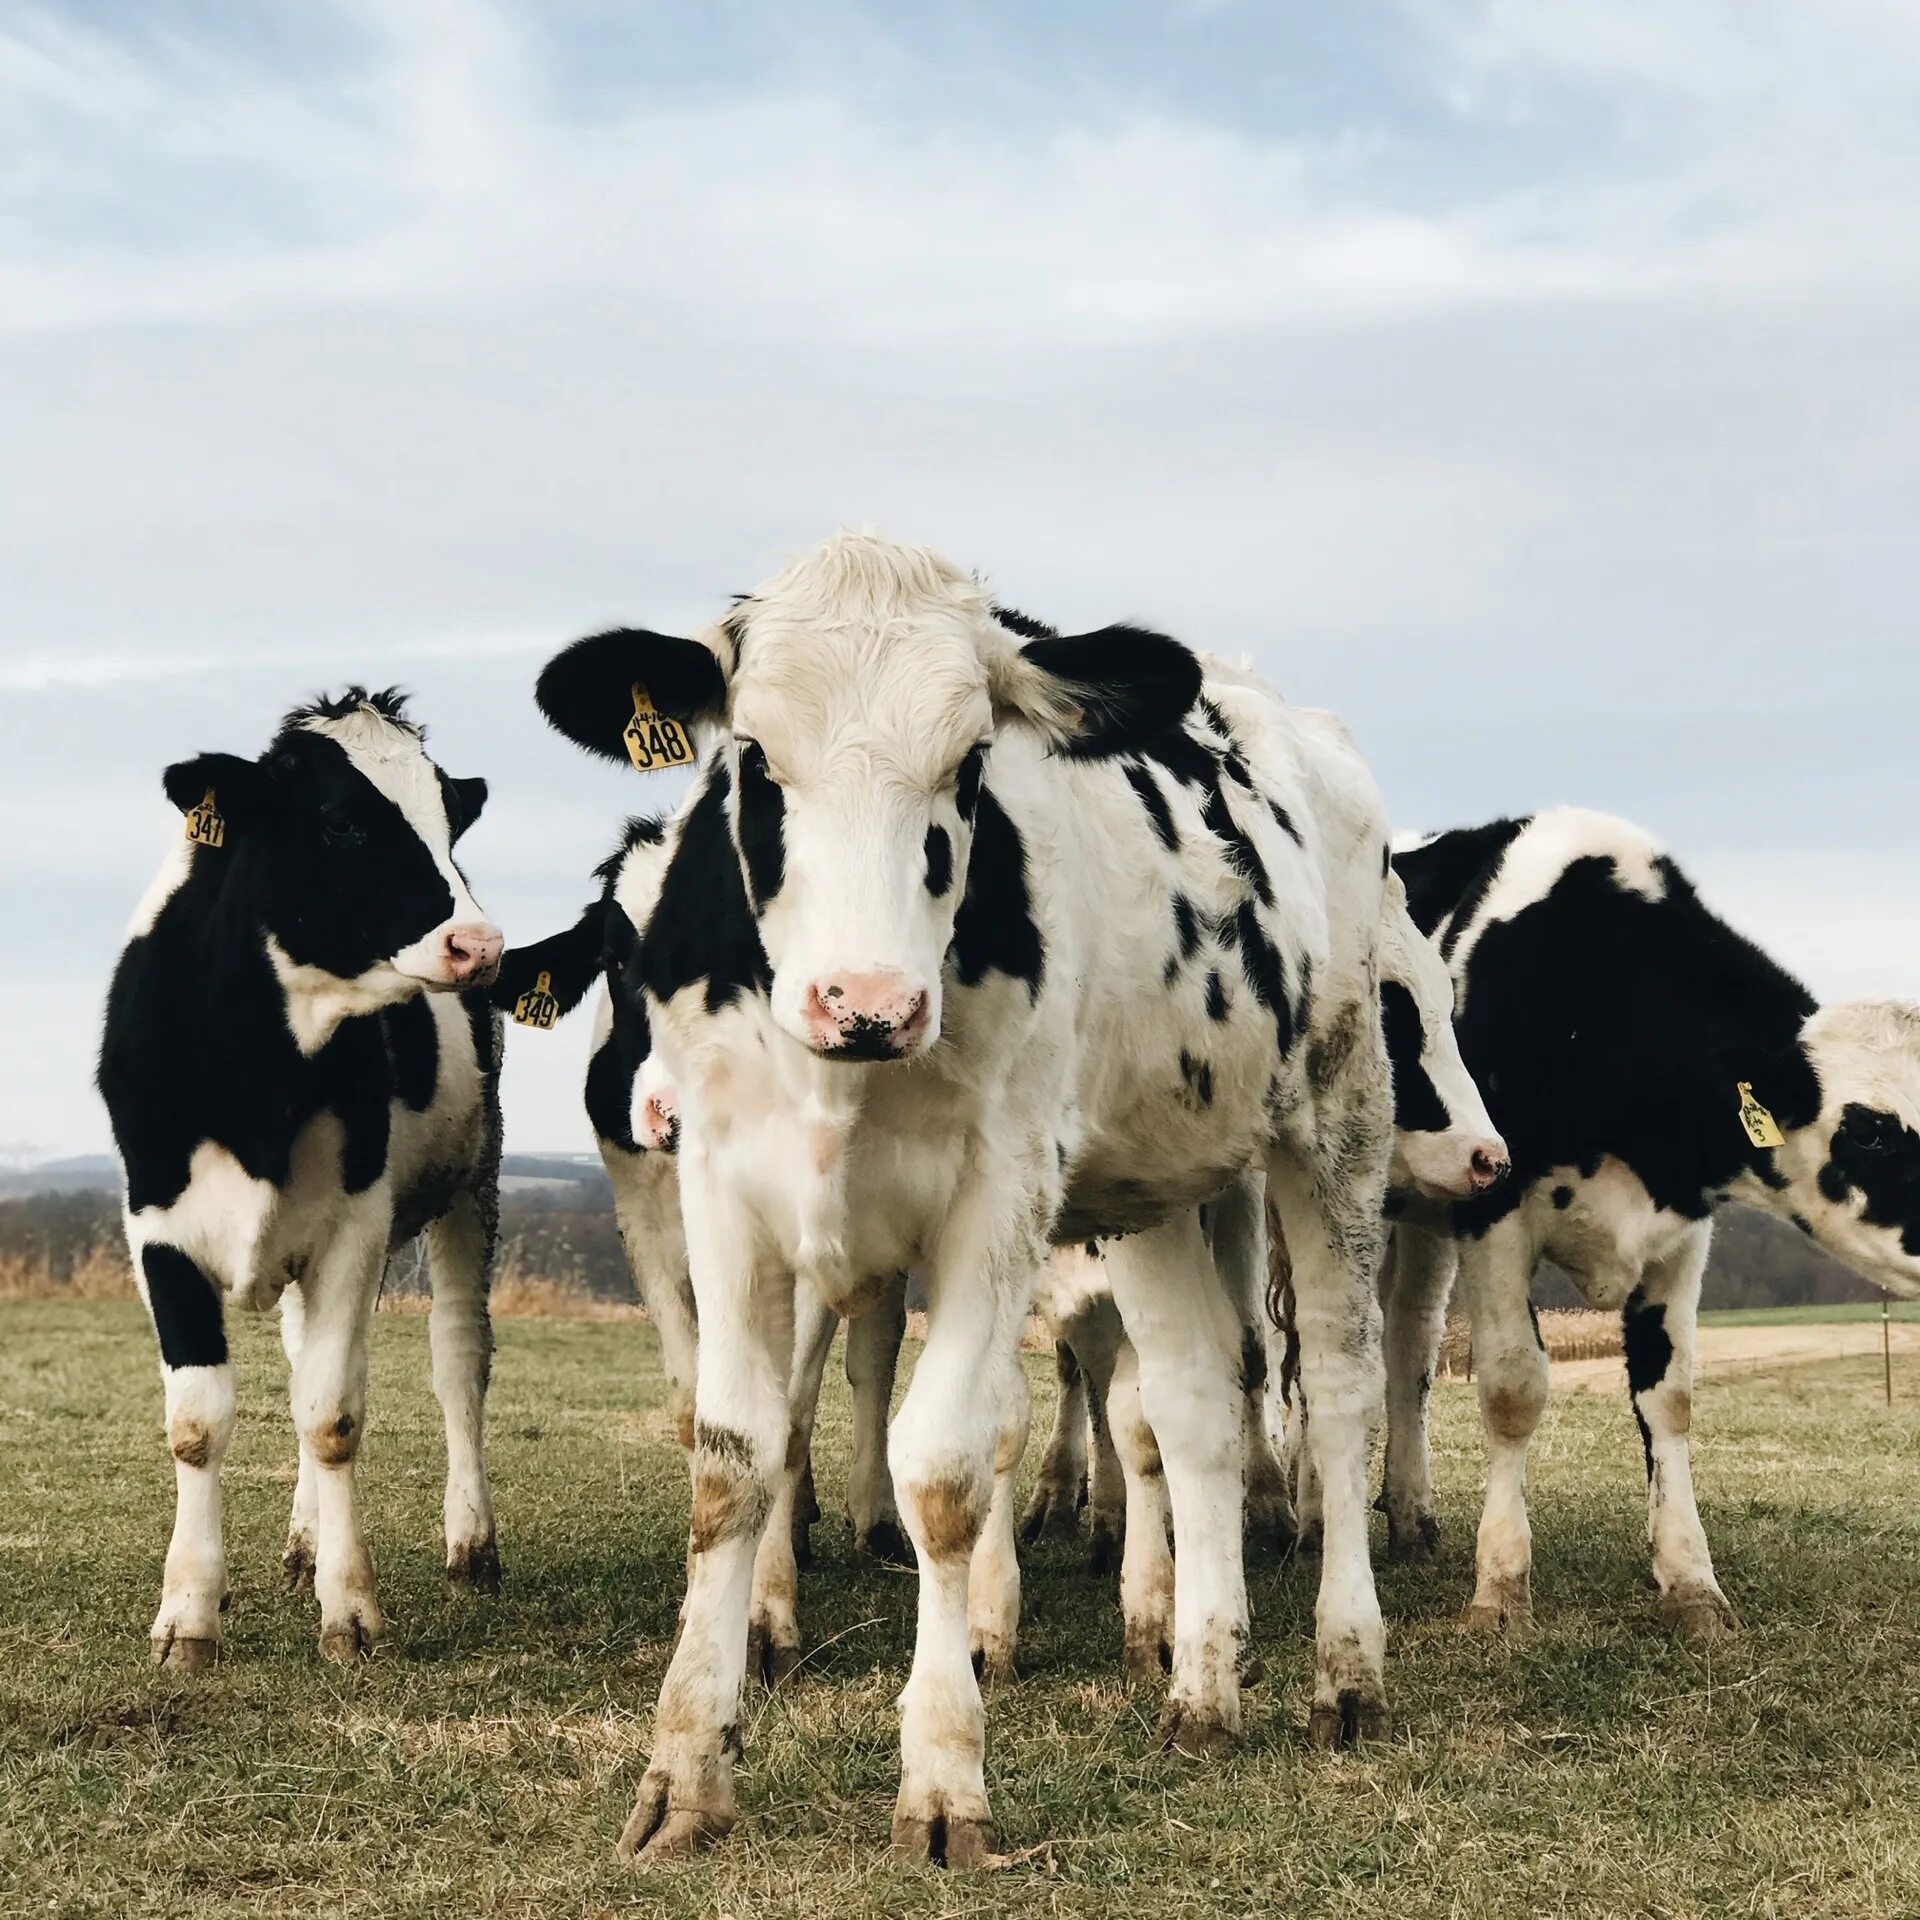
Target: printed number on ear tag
{"x":205,"y":827}
{"x":653,"y":740}
{"x":537,"y":1007}
{"x":1762,"y":1128}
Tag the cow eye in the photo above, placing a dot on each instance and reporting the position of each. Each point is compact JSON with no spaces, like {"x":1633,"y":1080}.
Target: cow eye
{"x":1868,"y":1130}
{"x":337,"y":826}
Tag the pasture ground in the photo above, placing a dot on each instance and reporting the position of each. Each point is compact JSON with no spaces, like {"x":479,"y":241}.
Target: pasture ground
{"x":484,"y":1761}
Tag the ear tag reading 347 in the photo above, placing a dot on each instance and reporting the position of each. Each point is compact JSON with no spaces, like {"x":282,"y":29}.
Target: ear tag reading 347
{"x":205,"y":827}
{"x":537,"y":1007}
{"x":1762,"y":1128}
{"x":653,"y":740}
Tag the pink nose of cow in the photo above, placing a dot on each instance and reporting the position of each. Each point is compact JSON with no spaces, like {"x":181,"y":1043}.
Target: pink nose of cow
{"x":865,"y":1016}
{"x":472,"y":954}
{"x":1487,"y":1167}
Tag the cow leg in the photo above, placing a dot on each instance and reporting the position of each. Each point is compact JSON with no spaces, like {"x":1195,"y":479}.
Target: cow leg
{"x":197,"y":1377}
{"x":1060,"y":1488}
{"x":1331,"y":1217}
{"x":993,"y":1576}
{"x":1658,"y":1326}
{"x":873,"y":1354}
{"x":646,"y":1206}
{"x":963,"y":1398}
{"x":1106,"y":1479}
{"x":773,"y":1627}
{"x":1510,"y":1369}
{"x":1146,"y":1545}
{"x":1239,"y":1236}
{"x":740,"y":1431}
{"x":1185,"y":1335}
{"x":329,"y":1413}
{"x":296,"y":1561}
{"x":460,"y":1247}
{"x":1419,"y":1277}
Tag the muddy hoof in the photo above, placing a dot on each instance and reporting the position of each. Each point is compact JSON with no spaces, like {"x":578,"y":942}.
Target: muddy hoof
{"x":1699,"y":1615}
{"x":1147,"y":1659}
{"x":885,"y":1544}
{"x":475,"y":1566}
{"x":1196,"y":1733}
{"x":1351,"y":1718}
{"x":993,"y":1663}
{"x":1500,"y":1606}
{"x":943,"y":1840}
{"x":1103,"y":1556}
{"x":1053,"y":1509}
{"x":297,"y":1565}
{"x":182,"y":1653}
{"x":772,"y":1660}
{"x":1419,"y":1541}
{"x":349,"y":1643}
{"x":1250,"y":1668}
{"x":656,"y":1832}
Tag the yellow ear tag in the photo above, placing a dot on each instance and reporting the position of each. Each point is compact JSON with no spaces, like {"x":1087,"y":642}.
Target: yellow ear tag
{"x":653,"y":740}
{"x":1762,"y":1128}
{"x":205,"y":827}
{"x":537,"y":1007}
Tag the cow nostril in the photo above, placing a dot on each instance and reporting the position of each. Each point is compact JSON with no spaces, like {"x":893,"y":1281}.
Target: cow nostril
{"x":836,"y":993}
{"x":1488,"y":1170}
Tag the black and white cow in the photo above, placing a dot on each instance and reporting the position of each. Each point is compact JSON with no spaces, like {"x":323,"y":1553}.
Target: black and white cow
{"x":297,"y":1083}
{"x":976,"y":936}
{"x":1646,"y":1063}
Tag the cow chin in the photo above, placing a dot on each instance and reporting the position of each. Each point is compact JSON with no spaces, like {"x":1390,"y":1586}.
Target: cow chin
{"x":1437,"y":1166}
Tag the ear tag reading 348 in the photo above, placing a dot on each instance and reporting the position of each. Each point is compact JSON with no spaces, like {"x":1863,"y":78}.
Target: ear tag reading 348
{"x":205,"y":827}
{"x":653,"y":740}
{"x":1762,"y":1128}
{"x":537,"y":1007}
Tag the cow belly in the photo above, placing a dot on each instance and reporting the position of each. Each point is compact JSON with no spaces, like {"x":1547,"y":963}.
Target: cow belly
{"x":1605,"y":1231}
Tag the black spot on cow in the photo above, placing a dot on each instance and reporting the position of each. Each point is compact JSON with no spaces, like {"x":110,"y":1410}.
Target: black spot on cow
{"x":1875,"y":1154}
{"x":1198,"y":1075}
{"x":1533,"y":1320}
{"x":1805,"y":1225}
{"x":1417,"y":1106}
{"x":1186,"y":926}
{"x":1286,"y":822}
{"x":995,"y":931}
{"x":1183,"y":754}
{"x":967,"y":781}
{"x":1562,"y":1198}
{"x":185,"y":1306}
{"x":1265,"y":972}
{"x":1216,"y":996}
{"x":1649,"y":1352}
{"x":1386,"y":861}
{"x":762,"y":814}
{"x":1241,"y":853}
{"x":1155,"y":802}
{"x":1253,"y":1361}
{"x":413,"y":1051}
{"x":939,"y":852}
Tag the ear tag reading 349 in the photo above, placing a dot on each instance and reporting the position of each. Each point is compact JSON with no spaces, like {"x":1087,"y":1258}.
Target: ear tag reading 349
{"x":537,"y":1007}
{"x":653,"y":740}
{"x":1762,"y":1128}
{"x":205,"y":827}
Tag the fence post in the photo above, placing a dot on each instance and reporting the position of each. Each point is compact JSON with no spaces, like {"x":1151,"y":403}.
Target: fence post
{"x":1886,"y":1344}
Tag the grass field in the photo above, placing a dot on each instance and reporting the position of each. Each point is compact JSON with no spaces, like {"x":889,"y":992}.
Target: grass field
{"x":484,"y":1761}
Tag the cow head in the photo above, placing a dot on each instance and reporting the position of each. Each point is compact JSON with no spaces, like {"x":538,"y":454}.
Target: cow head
{"x":856,"y":699}
{"x":341,"y":836}
{"x":1852,"y":1175}
{"x":1444,"y":1145}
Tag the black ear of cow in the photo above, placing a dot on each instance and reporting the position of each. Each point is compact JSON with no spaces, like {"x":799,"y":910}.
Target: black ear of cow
{"x":242,"y":789}
{"x":465,"y":798}
{"x":1129,"y":683}
{"x":571,"y":961}
{"x":586,"y":690}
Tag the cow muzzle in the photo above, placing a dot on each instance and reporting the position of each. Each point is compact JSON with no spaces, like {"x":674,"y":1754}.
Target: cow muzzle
{"x":469,"y":954}
{"x":866,"y":1016}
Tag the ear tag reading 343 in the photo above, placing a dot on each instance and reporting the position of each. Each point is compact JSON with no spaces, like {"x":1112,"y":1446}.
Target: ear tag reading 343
{"x":1762,"y":1128}
{"x":537,"y":1007}
{"x":205,"y":827}
{"x":653,"y":740}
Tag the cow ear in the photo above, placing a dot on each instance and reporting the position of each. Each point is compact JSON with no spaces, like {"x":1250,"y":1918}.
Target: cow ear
{"x":571,"y":961}
{"x":242,"y":789}
{"x":586,"y":690}
{"x":1101,"y":693}
{"x":465,"y":799}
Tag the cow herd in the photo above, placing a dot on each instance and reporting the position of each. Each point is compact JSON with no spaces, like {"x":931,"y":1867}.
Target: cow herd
{"x":1068,"y":973}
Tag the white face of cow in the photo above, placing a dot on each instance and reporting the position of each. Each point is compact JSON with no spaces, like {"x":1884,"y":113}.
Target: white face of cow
{"x":1853,"y":1175}
{"x":1444,"y":1144}
{"x":859,"y":693}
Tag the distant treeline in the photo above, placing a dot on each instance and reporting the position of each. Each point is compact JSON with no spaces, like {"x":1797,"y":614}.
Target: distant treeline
{"x":557,"y":1227}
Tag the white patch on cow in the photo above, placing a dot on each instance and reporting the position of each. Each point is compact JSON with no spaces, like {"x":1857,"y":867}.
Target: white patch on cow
{"x":162,"y":887}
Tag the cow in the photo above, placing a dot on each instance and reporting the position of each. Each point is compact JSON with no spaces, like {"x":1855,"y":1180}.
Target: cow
{"x":301,"y":1071}
{"x":976,"y":936}
{"x":1445,"y":1147}
{"x":1647,"y":1064}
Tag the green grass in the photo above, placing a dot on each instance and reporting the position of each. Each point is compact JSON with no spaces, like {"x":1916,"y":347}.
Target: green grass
{"x":483,"y":1762}
{"x":1845,"y":1314}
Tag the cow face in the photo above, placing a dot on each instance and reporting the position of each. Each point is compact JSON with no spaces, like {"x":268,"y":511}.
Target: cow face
{"x":1444,"y":1145}
{"x":342,"y":837}
{"x":1854,"y":1173}
{"x":856,"y":700}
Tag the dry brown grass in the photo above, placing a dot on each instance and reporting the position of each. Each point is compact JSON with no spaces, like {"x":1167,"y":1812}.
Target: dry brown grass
{"x":1566,"y":1333}
{"x":97,"y":1273}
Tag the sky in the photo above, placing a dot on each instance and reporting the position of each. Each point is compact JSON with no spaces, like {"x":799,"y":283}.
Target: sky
{"x":1533,"y":385}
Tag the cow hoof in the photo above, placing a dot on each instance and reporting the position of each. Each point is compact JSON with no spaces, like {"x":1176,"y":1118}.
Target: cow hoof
{"x":946,"y":1840}
{"x":1250,"y":1668}
{"x":1420,"y":1541}
{"x":993,"y":1662}
{"x":1500,"y":1606}
{"x":1103,"y":1557}
{"x":1699,"y":1615}
{"x":656,"y":1832}
{"x":773,"y":1660}
{"x":1147,"y":1659}
{"x":1307,"y":1540}
{"x":297,"y":1564}
{"x":476,"y":1566}
{"x":803,"y":1545}
{"x":1347,"y":1721}
{"x":183,"y":1653}
{"x":1199,"y":1733}
{"x":884,"y":1544}
{"x":347,"y":1644}
{"x":1054,"y":1508}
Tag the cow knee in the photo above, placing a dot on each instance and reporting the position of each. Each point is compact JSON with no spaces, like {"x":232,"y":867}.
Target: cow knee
{"x":1512,"y":1398}
{"x":945,"y":1512}
{"x":733,"y":1476}
{"x":200,"y":1415}
{"x":333,"y":1437}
